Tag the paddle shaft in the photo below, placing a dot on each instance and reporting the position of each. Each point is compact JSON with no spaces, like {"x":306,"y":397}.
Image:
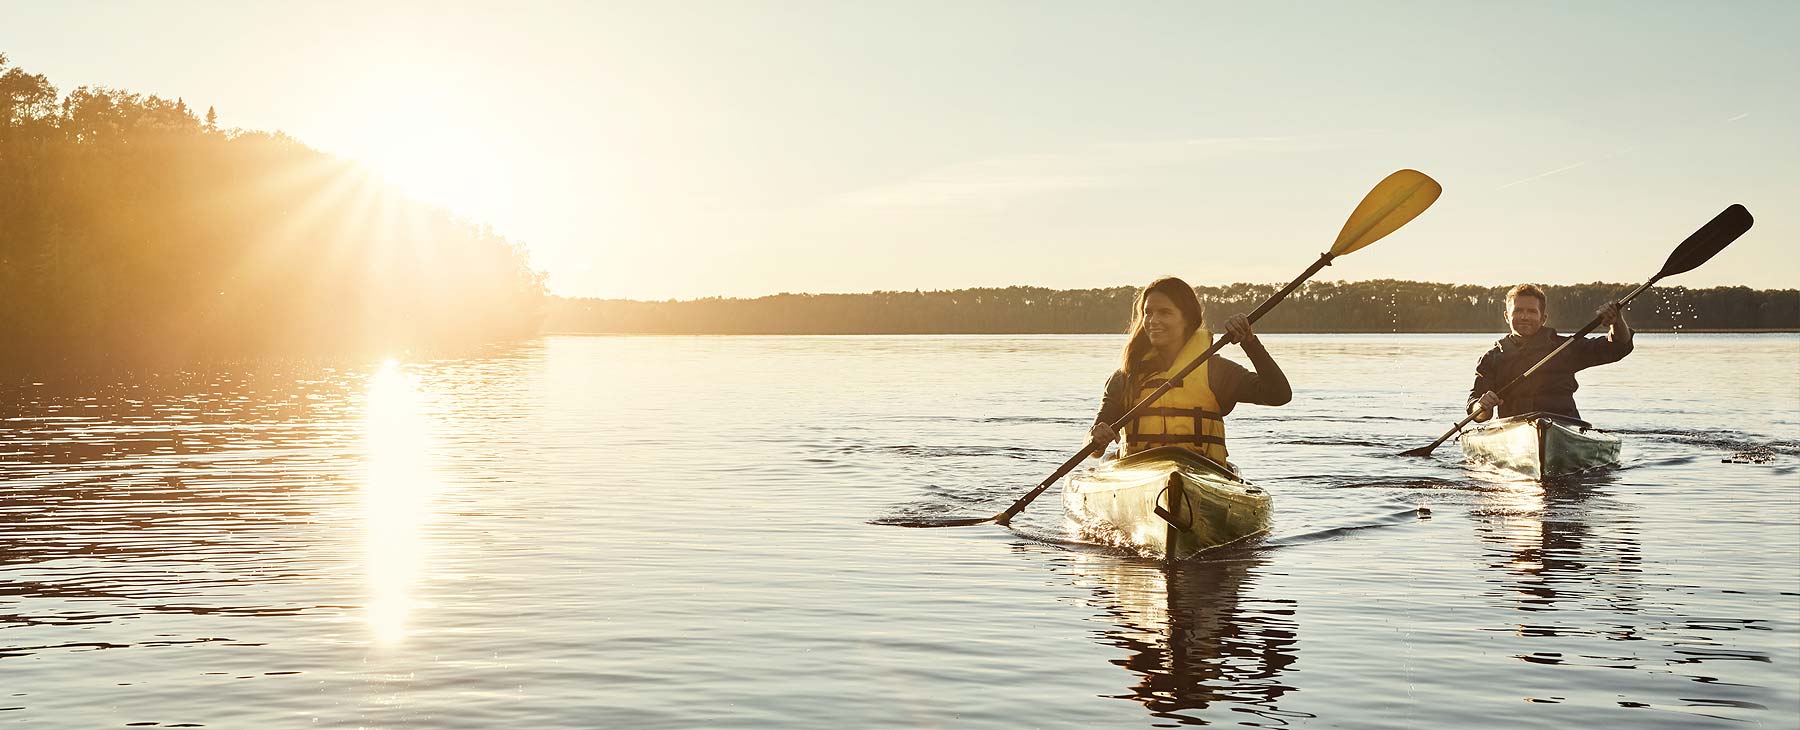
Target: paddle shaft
{"x":1585,"y":331}
{"x":1118,"y":425}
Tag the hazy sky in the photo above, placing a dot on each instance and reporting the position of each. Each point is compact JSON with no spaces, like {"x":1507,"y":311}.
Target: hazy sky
{"x":659,"y":149}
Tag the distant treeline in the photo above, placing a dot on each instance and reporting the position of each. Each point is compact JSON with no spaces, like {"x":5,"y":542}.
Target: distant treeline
{"x":1364,"y":306}
{"x":133,"y":230}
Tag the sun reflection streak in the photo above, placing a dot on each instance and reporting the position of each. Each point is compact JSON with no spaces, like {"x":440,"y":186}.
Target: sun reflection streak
{"x":396,"y":499}
{"x":1521,"y":506}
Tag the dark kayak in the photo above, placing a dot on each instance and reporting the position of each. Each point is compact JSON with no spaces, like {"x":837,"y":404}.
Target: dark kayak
{"x":1541,"y":445}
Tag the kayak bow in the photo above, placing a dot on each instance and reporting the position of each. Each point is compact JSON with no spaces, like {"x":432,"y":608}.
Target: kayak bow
{"x":1541,"y":445}
{"x":1166,"y":502}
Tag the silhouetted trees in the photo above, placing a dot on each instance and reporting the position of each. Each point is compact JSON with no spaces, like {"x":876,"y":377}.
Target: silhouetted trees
{"x":131,"y":231}
{"x":1321,"y":306}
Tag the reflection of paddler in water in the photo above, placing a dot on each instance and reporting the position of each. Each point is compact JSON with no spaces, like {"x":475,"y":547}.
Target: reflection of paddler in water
{"x":1549,"y":550}
{"x":1192,"y":642}
{"x":1167,"y":334}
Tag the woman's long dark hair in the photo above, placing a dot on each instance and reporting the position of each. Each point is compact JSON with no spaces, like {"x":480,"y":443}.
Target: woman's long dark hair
{"x":1139,"y":344}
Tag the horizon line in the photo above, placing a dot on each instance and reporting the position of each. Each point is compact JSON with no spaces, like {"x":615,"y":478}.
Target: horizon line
{"x":1133,"y":286}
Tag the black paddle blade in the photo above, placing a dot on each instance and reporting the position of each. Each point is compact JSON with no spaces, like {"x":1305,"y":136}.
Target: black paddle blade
{"x":932,"y":521}
{"x":1421,"y":451}
{"x":1709,"y":240}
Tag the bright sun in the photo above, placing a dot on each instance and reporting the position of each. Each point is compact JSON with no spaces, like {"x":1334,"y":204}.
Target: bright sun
{"x":418,"y":129}
{"x":439,"y":165}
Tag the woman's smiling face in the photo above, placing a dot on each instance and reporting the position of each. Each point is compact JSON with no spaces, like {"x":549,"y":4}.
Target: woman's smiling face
{"x":1163,"y":322}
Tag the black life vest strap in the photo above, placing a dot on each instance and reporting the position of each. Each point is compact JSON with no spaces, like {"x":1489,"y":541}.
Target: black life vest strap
{"x":1174,"y":438}
{"x":1195,"y":413}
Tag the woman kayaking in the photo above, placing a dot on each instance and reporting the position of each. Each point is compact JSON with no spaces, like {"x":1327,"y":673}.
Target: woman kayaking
{"x":1167,"y":334}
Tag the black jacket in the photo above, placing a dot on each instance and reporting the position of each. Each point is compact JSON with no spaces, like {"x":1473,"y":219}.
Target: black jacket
{"x":1552,"y":387}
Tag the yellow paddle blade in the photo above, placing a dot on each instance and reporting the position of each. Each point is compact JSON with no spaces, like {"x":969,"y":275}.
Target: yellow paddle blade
{"x":1397,"y":199}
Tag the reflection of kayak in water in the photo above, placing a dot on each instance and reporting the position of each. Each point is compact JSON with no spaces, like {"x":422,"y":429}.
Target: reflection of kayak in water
{"x":1166,"y":502}
{"x":1541,"y":445}
{"x":1193,"y":639}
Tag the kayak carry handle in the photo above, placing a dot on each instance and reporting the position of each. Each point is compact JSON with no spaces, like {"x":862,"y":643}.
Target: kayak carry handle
{"x":1184,"y":525}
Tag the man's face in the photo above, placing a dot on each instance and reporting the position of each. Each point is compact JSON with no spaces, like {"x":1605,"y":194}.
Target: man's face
{"x":1525,"y":314}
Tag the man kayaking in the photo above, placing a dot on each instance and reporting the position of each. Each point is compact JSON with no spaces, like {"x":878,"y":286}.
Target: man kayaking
{"x":1552,"y":387}
{"x":1166,"y":334}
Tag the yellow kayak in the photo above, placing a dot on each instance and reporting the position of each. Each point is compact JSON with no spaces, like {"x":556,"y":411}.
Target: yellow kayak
{"x":1166,"y":502}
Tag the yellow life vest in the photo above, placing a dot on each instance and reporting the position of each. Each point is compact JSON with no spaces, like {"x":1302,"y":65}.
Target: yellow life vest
{"x":1186,"y":416}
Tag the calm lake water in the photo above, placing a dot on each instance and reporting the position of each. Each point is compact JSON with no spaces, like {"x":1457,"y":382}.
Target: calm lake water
{"x":676,"y":532}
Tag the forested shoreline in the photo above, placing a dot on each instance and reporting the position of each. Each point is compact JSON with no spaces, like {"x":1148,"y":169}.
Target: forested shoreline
{"x":137,"y":231}
{"x":1367,"y":306}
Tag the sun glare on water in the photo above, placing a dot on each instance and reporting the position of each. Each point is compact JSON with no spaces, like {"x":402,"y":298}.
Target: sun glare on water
{"x":396,"y":500}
